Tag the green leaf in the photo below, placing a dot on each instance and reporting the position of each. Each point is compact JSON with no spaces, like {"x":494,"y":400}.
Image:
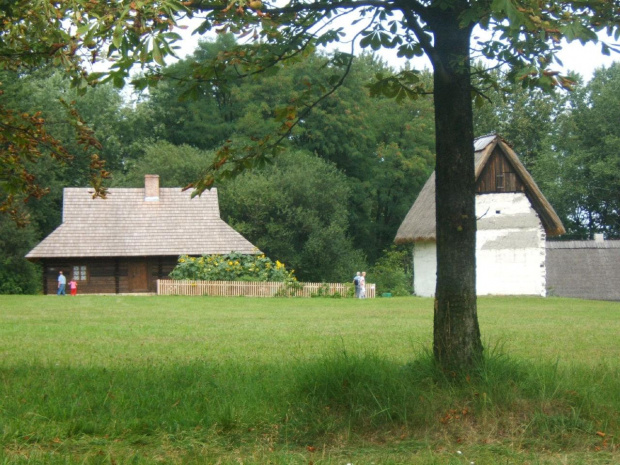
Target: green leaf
{"x":509,"y":9}
{"x":83,"y":29}
{"x":334,"y":79}
{"x":172,"y":36}
{"x":366,"y":41}
{"x":478,"y":101}
{"x":605,"y":49}
{"x":139,"y":83}
{"x":95,"y":76}
{"x":118,"y":81}
{"x":117,"y":36}
{"x":157,"y":53}
{"x":410,"y":51}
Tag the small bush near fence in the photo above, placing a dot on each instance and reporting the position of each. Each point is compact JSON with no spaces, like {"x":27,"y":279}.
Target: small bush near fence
{"x":393,"y":271}
{"x":258,"y":289}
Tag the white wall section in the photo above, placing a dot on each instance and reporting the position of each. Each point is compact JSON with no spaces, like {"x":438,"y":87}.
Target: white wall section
{"x":510,"y":249}
{"x":424,"y":268}
{"x":510,"y":246}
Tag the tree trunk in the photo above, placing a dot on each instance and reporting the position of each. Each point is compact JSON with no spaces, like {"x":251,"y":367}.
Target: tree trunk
{"x":456,"y":338}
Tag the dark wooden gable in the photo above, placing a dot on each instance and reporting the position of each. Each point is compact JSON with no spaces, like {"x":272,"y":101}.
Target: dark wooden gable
{"x":499,"y":175}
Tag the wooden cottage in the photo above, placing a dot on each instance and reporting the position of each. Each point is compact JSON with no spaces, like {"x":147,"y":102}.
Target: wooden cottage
{"x":124,"y":243}
{"x":514,"y":219}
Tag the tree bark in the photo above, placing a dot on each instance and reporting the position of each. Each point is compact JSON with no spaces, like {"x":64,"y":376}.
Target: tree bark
{"x":456,"y":338}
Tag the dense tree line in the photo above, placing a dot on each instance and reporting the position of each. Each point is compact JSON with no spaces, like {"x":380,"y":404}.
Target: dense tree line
{"x":330,"y":204}
{"x":372,"y":157}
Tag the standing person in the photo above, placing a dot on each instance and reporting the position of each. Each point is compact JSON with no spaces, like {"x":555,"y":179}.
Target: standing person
{"x":362,"y":282}
{"x":62,"y":283}
{"x":73,"y":286}
{"x":356,"y":281}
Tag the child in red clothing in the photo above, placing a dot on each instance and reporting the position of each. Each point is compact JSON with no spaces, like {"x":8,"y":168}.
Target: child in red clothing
{"x":73,"y":286}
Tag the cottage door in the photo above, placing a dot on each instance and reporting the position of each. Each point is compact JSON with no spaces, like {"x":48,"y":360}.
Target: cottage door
{"x":138,"y":277}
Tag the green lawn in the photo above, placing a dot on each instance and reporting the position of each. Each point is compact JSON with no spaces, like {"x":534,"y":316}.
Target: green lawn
{"x":108,"y":379}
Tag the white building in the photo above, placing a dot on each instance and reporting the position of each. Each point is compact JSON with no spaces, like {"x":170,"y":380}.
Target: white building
{"x":514,"y":219}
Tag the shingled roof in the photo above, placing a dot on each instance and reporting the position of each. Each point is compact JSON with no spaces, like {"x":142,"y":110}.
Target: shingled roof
{"x":419,"y":224}
{"x":584,"y":269}
{"x":140,"y":222}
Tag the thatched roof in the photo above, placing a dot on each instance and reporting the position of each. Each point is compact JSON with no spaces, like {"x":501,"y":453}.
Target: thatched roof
{"x":583,"y":269}
{"x":132,"y":222}
{"x":419,"y":224}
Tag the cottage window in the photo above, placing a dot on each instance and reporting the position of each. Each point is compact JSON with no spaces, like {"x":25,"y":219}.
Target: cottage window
{"x":506,"y":182}
{"x":499,"y":182}
{"x":79,"y":273}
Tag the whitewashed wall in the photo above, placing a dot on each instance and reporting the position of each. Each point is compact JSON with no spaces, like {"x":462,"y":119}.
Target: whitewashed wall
{"x":424,"y":268}
{"x":510,"y":249}
{"x":510,"y":246}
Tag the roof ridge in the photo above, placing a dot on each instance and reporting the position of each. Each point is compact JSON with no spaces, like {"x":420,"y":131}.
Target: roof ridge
{"x":488,"y":135}
{"x":495,"y":134}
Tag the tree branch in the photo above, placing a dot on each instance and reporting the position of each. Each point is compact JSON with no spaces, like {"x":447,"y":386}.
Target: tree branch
{"x":298,"y":7}
{"x":423,"y":37}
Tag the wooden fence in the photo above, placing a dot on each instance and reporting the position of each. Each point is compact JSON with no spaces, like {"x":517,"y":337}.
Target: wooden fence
{"x":256,"y":289}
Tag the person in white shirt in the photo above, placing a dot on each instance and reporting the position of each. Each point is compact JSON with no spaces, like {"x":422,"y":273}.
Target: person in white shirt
{"x":356,"y":280}
{"x":362,"y":282}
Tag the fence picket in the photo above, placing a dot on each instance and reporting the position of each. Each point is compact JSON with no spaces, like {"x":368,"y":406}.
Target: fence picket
{"x":254,"y":289}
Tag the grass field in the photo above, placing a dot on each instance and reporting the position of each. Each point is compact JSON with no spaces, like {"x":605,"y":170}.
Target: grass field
{"x":106,"y":379}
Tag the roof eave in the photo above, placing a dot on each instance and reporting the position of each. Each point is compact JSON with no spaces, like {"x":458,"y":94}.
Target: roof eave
{"x":413,"y":240}
{"x":484,"y":156}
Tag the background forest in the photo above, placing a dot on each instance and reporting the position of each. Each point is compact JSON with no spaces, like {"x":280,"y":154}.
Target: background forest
{"x":331,"y":202}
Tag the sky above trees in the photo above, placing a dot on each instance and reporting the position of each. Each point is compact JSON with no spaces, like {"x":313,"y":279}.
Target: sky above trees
{"x":583,"y":59}
{"x":576,"y":57}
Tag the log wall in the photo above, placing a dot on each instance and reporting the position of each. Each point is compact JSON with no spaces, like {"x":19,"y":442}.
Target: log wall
{"x":107,"y":275}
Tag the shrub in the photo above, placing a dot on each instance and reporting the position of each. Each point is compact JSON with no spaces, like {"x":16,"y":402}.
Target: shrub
{"x":231,"y":267}
{"x":392,"y":272}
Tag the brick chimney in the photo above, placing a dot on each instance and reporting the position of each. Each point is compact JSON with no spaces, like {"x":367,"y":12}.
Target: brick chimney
{"x":151,"y":188}
{"x":599,"y":237}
